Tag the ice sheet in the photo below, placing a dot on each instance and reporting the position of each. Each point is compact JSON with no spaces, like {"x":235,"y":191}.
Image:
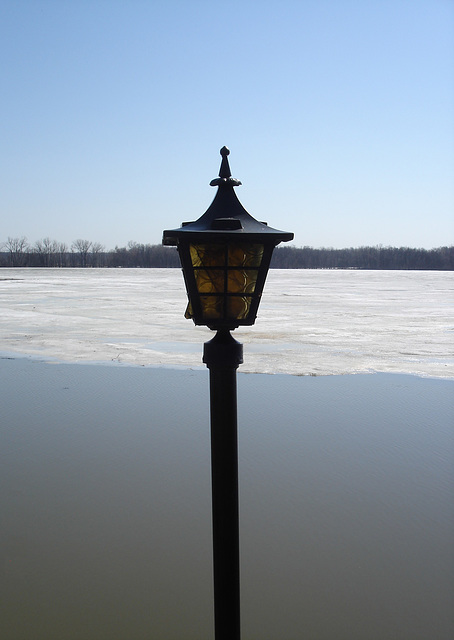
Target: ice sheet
{"x":311,"y":322}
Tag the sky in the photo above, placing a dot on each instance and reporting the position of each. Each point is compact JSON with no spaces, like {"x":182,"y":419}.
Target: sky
{"x":339,"y":115}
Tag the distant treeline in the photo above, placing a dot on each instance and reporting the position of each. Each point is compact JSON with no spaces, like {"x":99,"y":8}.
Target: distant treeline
{"x":440,"y":259}
{"x":17,"y":252}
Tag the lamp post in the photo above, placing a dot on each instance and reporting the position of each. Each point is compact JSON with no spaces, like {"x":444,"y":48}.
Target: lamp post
{"x":225,"y":257}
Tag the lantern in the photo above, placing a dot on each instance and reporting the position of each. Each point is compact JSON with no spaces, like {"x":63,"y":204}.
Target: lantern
{"x":225,"y":257}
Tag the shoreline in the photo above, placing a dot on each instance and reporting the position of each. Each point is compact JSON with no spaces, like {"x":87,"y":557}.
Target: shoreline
{"x":54,"y":360}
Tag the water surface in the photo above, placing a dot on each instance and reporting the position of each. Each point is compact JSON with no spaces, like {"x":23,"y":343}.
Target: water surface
{"x":345,"y":490}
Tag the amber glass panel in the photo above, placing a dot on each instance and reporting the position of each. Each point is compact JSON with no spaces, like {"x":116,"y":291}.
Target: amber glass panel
{"x":209,"y":280}
{"x":207,"y":255}
{"x":212,"y":307}
{"x":238,"y":307}
{"x":239,"y":255}
{"x":245,"y":255}
{"x":241,"y":281}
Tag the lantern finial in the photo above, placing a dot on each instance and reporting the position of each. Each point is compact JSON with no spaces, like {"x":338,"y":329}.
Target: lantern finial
{"x":224,"y":171}
{"x":225,"y":175}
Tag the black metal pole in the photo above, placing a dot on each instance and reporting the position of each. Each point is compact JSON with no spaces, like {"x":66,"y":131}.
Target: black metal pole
{"x":222,"y":355}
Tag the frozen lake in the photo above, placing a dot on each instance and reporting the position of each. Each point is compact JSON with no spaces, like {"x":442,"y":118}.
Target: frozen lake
{"x":310,"y":322}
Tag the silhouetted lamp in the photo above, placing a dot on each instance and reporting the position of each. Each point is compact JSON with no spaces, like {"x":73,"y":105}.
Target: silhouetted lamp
{"x":225,"y":256}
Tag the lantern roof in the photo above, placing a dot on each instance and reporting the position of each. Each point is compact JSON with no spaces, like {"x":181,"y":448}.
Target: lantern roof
{"x":226,"y":217}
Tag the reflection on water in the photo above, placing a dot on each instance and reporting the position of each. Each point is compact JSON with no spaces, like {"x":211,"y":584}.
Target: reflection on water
{"x":346,"y":513}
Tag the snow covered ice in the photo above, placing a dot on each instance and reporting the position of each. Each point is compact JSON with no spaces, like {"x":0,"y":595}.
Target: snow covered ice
{"x":310,"y":322}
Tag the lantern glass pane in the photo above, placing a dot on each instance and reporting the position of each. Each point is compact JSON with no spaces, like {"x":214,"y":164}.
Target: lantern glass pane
{"x":212,"y":307}
{"x":240,"y":281}
{"x":238,"y":307}
{"x":209,"y":280}
{"x":207,"y":255}
{"x":245,"y":255}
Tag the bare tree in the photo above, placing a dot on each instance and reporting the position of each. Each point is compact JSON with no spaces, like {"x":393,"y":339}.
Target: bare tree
{"x":61,"y":257}
{"x":47,"y":250}
{"x":16,"y":247}
{"x":38,"y":250}
{"x":96,"y":249}
{"x":50,"y":248}
{"x":82,"y":247}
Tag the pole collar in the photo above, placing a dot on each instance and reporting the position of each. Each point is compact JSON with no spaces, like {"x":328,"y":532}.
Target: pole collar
{"x":223,"y":351}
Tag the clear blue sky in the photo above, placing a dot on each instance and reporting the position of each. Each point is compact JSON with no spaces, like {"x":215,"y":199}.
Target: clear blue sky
{"x":339,"y":115}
